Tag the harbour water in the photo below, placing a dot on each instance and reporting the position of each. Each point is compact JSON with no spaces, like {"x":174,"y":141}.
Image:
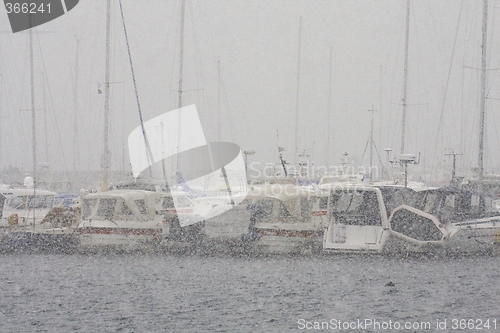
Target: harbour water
{"x":163,"y":293}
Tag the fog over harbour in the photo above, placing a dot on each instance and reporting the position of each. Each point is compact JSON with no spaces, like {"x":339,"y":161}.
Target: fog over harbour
{"x":240,"y":69}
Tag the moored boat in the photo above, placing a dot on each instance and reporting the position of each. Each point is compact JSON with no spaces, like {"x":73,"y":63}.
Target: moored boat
{"x":397,"y":219}
{"x":287,"y":219}
{"x":132,"y":219}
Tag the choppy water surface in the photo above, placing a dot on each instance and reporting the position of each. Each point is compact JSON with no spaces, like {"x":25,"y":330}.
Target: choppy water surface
{"x":146,"y":293}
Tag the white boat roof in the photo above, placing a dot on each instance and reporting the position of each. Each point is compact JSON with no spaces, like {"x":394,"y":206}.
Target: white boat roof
{"x":280,"y":191}
{"x":415,"y":186}
{"x":131,"y":194}
{"x":24,"y":191}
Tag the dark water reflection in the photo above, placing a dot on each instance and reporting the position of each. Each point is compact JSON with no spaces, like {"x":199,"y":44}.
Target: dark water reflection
{"x":143,"y":293}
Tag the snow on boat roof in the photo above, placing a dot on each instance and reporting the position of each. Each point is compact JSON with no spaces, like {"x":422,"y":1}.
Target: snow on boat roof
{"x":280,"y":191}
{"x":132,"y":194}
{"x":24,"y":191}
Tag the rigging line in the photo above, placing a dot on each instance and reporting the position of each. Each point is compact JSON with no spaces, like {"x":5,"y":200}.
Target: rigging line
{"x":200,"y":79}
{"x":489,"y":146}
{"x":380,"y":161}
{"x":65,"y":166}
{"x":490,"y":42}
{"x":26,"y":142}
{"x":395,"y":71}
{"x":149,"y":153}
{"x":468,"y":36}
{"x":441,"y":116}
{"x":364,"y":151}
{"x":209,"y":37}
{"x":175,"y":50}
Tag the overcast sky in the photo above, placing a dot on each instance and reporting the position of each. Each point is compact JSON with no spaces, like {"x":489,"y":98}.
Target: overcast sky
{"x":257,"y":45}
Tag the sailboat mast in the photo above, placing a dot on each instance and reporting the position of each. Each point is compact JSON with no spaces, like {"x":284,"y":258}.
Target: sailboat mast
{"x":181,"y":76}
{"x":45,"y":119}
{"x":297,"y":93}
{"x":405,"y":80}
{"x":483,"y":92}
{"x":328,"y":129}
{"x":33,"y":117}
{"x":218,"y":99}
{"x":106,"y":97}
{"x":371,"y":142}
{"x":76,"y":152}
{"x":181,"y":52}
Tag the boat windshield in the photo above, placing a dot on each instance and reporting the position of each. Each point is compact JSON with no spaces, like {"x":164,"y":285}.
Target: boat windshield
{"x":397,"y":196}
{"x":106,"y":207}
{"x":31,"y":202}
{"x":270,"y":209}
{"x":356,"y":207}
{"x":141,"y":204}
{"x":87,"y":207}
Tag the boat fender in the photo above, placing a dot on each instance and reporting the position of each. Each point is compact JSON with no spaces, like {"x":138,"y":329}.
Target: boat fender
{"x":13,"y":219}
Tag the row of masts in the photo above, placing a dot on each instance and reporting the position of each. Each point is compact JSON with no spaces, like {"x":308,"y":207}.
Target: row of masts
{"x":106,"y":158}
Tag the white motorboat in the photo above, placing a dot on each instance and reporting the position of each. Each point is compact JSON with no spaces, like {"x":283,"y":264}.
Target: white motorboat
{"x":287,"y":219}
{"x":395,"y":219}
{"x":24,"y":207}
{"x":132,"y":219}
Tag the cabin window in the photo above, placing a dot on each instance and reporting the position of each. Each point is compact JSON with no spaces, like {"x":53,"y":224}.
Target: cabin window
{"x":106,"y":208}
{"x":356,"y":202}
{"x":323,"y":203}
{"x":430,"y":202}
{"x":42,"y":201}
{"x":141,"y":204}
{"x":282,"y":210}
{"x":370,"y":202}
{"x":358,"y":209}
{"x":393,"y":198}
{"x":450,"y":200}
{"x":168,"y":203}
{"x":368,"y":209}
{"x":304,"y":207}
{"x":18,"y":202}
{"x":490,"y":205}
{"x":34,"y":202}
{"x":266,"y":207}
{"x":343,"y":202}
{"x":124,"y":209}
{"x":415,"y":226}
{"x":87,"y":207}
{"x":474,"y":200}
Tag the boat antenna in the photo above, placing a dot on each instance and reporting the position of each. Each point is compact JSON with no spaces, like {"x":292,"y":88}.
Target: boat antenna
{"x":453,"y":172}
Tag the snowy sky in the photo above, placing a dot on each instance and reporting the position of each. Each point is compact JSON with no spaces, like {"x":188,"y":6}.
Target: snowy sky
{"x":257,"y":45}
